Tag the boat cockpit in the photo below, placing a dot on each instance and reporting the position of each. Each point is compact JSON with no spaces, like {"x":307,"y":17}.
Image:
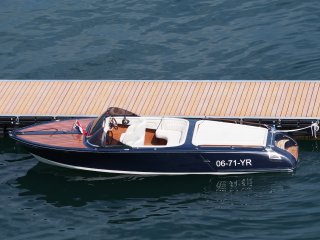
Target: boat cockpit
{"x":118,"y":127}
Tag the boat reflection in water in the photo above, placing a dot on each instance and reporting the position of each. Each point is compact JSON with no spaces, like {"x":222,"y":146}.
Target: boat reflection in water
{"x":63,"y":187}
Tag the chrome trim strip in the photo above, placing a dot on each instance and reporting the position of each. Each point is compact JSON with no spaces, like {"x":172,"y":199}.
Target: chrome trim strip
{"x":47,"y":161}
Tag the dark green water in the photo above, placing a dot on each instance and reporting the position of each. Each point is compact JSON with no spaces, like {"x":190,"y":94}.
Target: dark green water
{"x":46,"y":202}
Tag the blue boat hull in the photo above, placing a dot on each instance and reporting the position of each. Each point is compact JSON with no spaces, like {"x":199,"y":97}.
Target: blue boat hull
{"x":157,"y":162}
{"x":50,"y":143}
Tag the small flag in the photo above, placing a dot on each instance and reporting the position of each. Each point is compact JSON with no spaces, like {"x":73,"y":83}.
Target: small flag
{"x":79,"y":128}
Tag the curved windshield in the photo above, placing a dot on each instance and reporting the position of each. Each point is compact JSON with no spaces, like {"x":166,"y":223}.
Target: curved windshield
{"x":112,"y":112}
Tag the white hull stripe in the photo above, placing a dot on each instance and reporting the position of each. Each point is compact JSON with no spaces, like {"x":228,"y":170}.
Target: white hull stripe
{"x":47,"y":161}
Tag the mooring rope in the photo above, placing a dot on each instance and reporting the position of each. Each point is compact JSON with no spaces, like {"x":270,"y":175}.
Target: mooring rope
{"x":314,"y":129}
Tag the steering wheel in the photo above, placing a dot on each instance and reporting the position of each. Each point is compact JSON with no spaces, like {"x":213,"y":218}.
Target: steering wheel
{"x":125,"y":121}
{"x":113,"y":123}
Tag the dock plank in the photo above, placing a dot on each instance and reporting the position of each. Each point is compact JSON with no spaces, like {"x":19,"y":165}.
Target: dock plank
{"x":313,"y":100}
{"x":306,"y":103}
{"x":260,"y":99}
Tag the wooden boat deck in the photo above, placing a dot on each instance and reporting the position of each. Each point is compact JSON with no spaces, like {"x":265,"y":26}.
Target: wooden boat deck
{"x":225,"y":99}
{"x":65,"y":125}
{"x":57,"y":140}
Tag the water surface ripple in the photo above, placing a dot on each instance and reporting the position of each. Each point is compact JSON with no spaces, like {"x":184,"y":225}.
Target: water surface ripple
{"x":255,"y":39}
{"x":46,"y":202}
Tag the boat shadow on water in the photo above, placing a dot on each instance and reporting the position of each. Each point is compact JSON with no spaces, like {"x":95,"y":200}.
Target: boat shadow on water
{"x":63,"y":187}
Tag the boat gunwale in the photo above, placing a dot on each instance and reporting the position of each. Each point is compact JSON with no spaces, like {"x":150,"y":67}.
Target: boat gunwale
{"x":186,"y":147}
{"x":124,"y":148}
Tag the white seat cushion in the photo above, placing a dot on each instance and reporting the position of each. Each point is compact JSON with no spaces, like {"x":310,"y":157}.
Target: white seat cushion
{"x":221,"y":133}
{"x":129,"y":131}
{"x":135,"y":135}
{"x":172,"y":137}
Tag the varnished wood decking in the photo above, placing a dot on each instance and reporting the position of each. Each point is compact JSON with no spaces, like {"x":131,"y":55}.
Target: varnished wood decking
{"x":65,"y":125}
{"x":57,"y":140}
{"x":261,"y":99}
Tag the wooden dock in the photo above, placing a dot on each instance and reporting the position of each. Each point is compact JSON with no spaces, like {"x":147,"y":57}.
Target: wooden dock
{"x":223,"y":99}
{"x":286,"y":104}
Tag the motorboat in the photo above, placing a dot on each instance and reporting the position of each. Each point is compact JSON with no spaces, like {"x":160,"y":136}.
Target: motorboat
{"x":120,"y":141}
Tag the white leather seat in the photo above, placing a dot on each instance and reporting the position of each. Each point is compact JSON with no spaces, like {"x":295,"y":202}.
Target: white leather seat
{"x":172,"y":137}
{"x":230,"y":134}
{"x":135,"y":135}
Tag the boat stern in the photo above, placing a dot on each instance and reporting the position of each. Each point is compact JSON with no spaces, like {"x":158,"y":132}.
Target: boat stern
{"x":288,"y":144}
{"x":287,"y":148}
